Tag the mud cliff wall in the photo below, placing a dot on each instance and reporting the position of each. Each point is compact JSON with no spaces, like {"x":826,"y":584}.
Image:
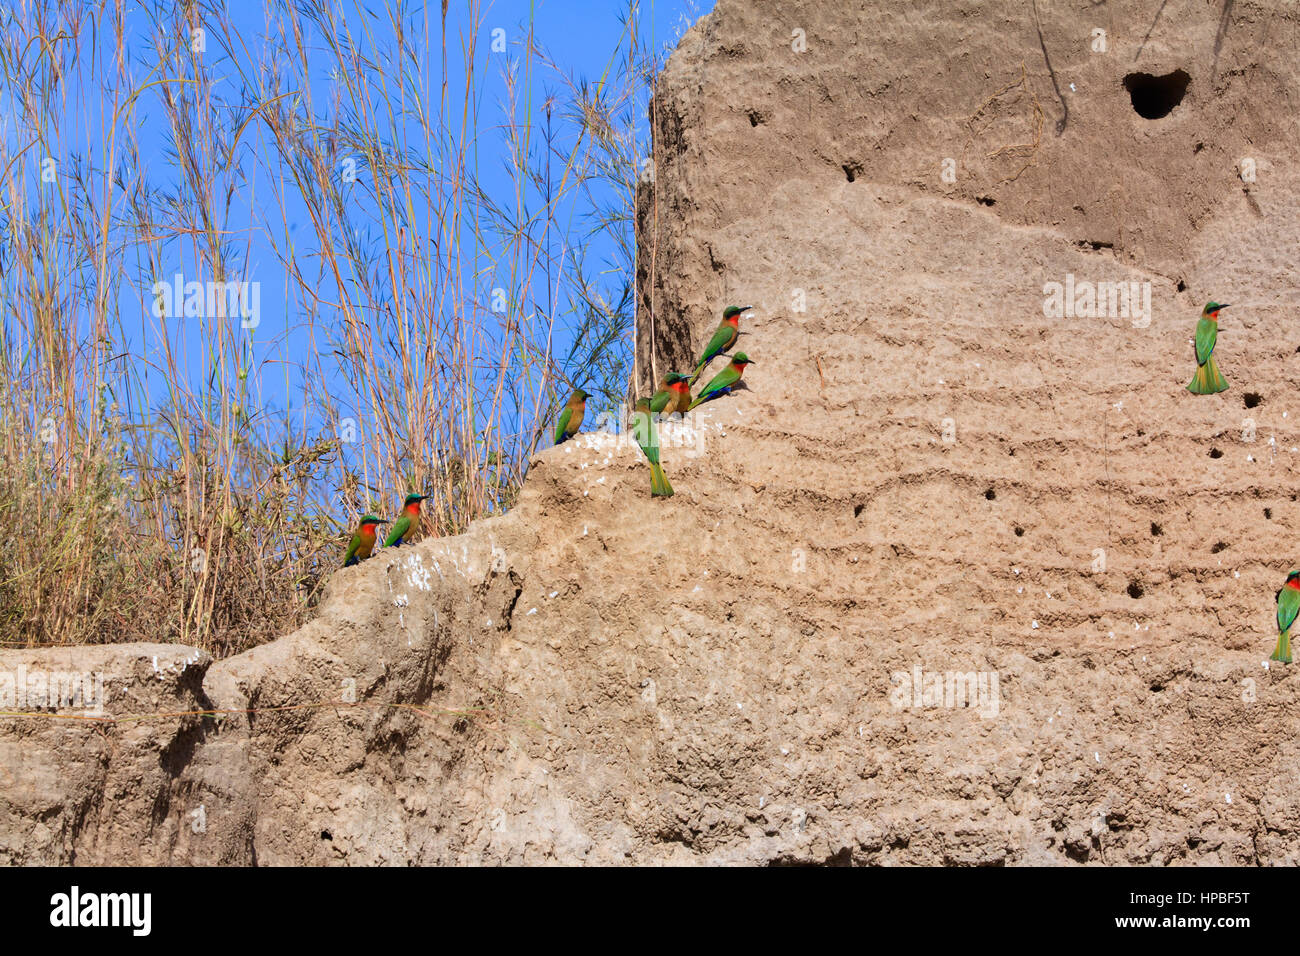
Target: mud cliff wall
{"x":926,"y":471}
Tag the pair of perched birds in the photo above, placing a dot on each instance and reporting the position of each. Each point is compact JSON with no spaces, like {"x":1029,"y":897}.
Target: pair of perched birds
{"x":363,"y":539}
{"x":672,"y":397}
{"x":1208,"y":380}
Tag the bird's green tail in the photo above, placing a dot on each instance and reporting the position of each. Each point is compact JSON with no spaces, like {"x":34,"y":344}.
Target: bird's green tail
{"x":1207,"y":379}
{"x":698,"y":369}
{"x":659,"y":486}
{"x":1283,"y":650}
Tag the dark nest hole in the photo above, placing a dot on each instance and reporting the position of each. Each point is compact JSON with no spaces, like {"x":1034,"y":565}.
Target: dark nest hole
{"x":1156,"y":96}
{"x":1134,"y":590}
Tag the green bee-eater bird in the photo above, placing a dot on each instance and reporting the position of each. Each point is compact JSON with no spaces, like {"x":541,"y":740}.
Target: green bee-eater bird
{"x":722,"y":383}
{"x":1288,"y":605}
{"x":674,"y":395}
{"x":647,"y":437}
{"x":570,"y":419}
{"x":674,"y":401}
{"x":404,"y":525}
{"x":1207,"y":379}
{"x":363,"y":540}
{"x":724,"y":339}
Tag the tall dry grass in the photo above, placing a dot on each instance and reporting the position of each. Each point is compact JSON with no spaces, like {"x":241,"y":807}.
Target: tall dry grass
{"x":422,"y":319}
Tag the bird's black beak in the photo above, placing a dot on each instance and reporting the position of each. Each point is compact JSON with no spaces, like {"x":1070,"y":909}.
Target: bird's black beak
{"x":1224,"y":306}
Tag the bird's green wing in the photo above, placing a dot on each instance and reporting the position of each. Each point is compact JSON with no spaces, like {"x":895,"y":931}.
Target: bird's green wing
{"x":1206,"y":334}
{"x":352,"y":547}
{"x":562,"y":424}
{"x":660,"y":400}
{"x":721,"y":341}
{"x":727,"y":377}
{"x":1288,"y":605}
{"x":398,"y":531}
{"x":647,"y":437}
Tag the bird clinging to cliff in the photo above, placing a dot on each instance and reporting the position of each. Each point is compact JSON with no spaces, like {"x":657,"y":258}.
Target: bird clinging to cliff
{"x":1207,"y":379}
{"x":363,"y":540}
{"x":674,"y":395}
{"x":404,"y":525}
{"x":647,"y":437}
{"x":724,"y":339}
{"x":1288,"y":605}
{"x":722,"y":383}
{"x":570,"y":420}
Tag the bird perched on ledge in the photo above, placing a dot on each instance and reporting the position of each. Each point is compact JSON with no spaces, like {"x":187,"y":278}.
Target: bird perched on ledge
{"x":570,"y":420}
{"x":647,"y":438}
{"x":404,"y":525}
{"x":674,"y":395}
{"x":724,"y":339}
{"x":1207,"y":379}
{"x":1288,"y":605}
{"x":363,"y":540}
{"x":722,"y":383}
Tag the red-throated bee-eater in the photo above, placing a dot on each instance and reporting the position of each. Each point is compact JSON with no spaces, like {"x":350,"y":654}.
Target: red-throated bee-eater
{"x":722,"y":383}
{"x":1207,"y":379}
{"x":1288,"y":605}
{"x":363,"y":540}
{"x":674,"y":395}
{"x":647,"y":437}
{"x":724,"y":339}
{"x":403,"y":526}
{"x":570,"y":419}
